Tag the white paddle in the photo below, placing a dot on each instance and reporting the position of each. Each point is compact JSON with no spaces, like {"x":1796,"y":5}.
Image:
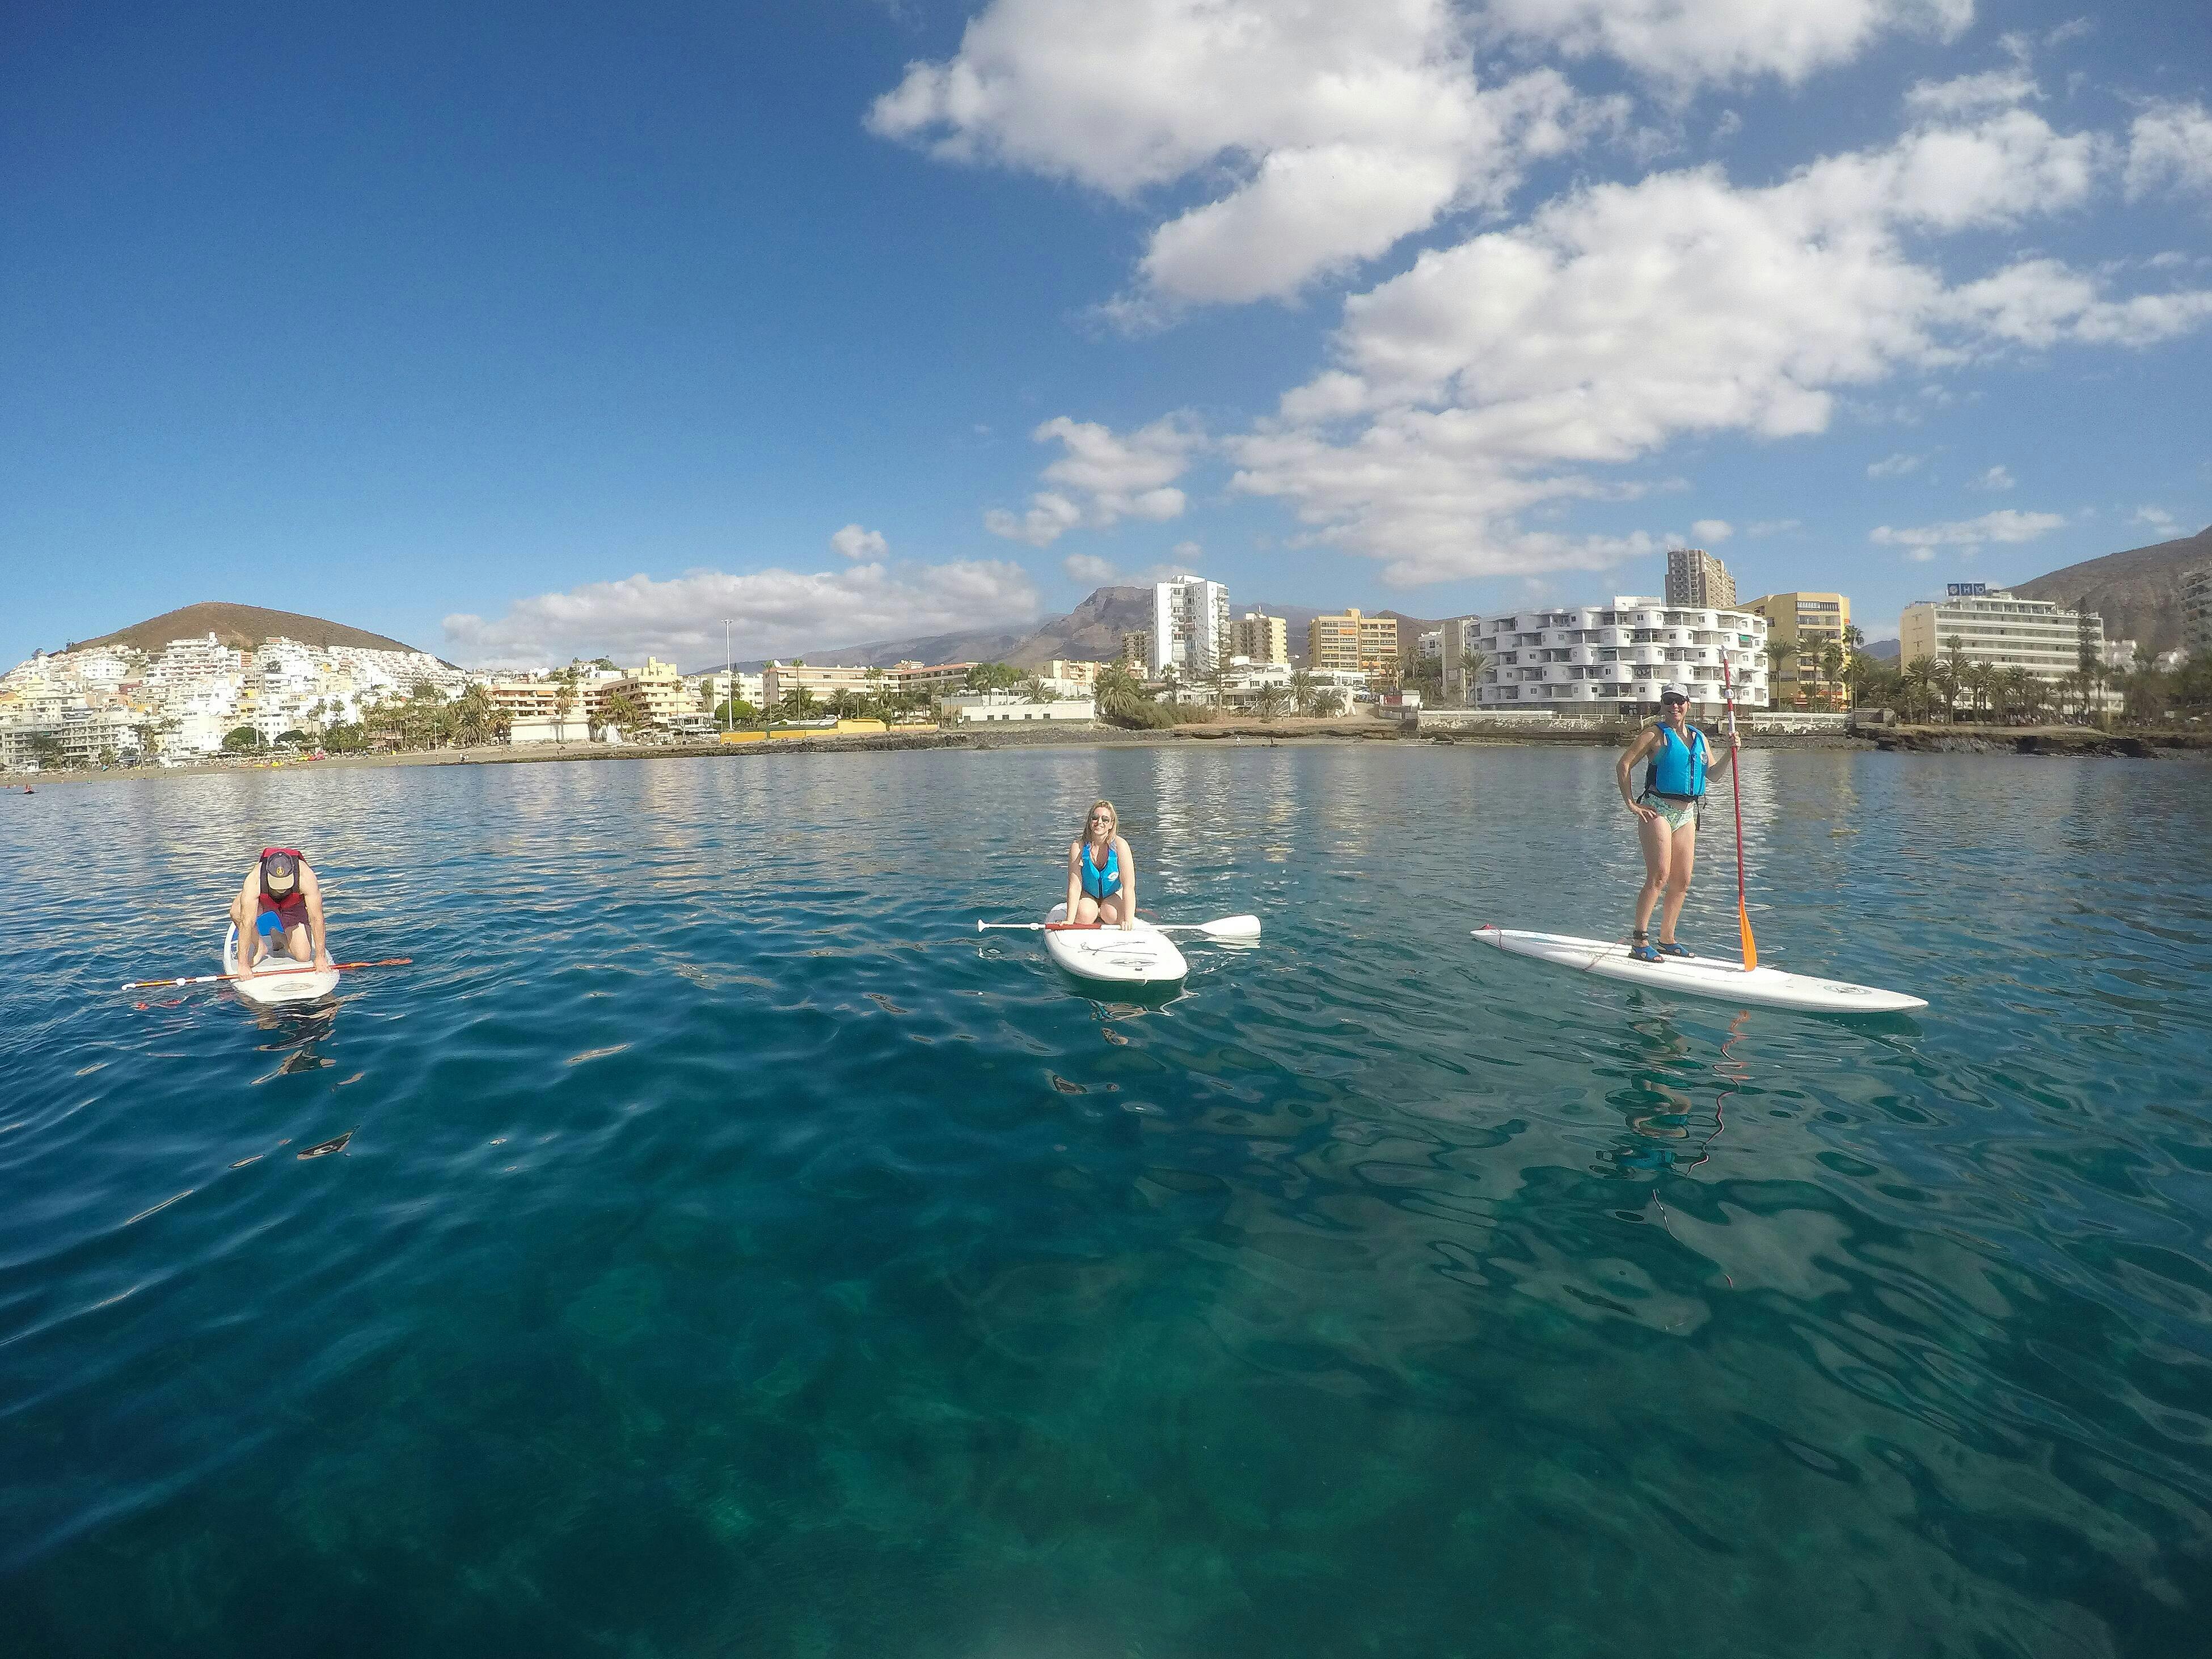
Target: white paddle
{"x":1222,"y":928}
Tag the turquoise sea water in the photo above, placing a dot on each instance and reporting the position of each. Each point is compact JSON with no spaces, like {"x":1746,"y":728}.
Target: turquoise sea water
{"x":735,"y":1254}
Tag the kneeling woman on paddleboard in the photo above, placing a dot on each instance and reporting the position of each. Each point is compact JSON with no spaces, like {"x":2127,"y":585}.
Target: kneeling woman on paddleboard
{"x":1102,"y":876}
{"x":1679,"y":768}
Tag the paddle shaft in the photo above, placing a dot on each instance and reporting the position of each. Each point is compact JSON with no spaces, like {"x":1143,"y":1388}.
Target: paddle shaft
{"x":267,"y":972}
{"x":1736,"y":794}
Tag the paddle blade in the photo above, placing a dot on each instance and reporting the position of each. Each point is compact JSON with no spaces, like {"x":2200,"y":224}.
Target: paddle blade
{"x":1231,"y":928}
{"x":1750,"y":945}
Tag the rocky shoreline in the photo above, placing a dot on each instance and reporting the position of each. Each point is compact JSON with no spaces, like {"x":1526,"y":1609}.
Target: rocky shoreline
{"x":2049,"y":741}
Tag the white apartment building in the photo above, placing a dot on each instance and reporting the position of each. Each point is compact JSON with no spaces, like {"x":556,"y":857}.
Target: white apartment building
{"x":1615,"y":659}
{"x":2001,"y":629}
{"x":2197,"y":612}
{"x":1190,"y":627}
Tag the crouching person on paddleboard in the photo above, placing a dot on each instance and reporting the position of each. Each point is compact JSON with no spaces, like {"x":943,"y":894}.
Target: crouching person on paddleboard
{"x":1102,"y":875}
{"x":1678,"y":766}
{"x":280,"y":904}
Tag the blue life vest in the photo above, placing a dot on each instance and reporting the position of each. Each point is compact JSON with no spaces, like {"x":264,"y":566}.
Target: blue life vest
{"x":1677,"y":769}
{"x":1101,"y":883}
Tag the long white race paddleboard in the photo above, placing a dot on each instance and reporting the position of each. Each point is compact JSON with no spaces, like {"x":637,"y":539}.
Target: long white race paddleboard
{"x":1138,"y":955}
{"x":268,"y":987}
{"x":1703,"y":976}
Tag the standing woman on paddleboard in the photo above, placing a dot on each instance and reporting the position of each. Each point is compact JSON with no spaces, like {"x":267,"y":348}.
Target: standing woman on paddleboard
{"x":1102,"y":875}
{"x":281,"y":903}
{"x":1680,"y":765}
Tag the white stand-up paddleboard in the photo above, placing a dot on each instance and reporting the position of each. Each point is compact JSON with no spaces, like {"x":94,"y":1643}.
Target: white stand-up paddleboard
{"x":269,"y":988}
{"x":1138,"y":955}
{"x":1703,"y":976}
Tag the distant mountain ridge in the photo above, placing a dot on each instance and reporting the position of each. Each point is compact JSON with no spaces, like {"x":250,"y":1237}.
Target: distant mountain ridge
{"x":2138,"y":591}
{"x":241,"y":626}
{"x":1090,"y":633}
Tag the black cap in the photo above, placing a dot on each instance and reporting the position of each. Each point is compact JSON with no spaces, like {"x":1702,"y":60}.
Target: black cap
{"x":280,"y":863}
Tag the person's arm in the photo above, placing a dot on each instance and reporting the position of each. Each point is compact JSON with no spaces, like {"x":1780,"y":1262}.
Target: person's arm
{"x":311,"y":890}
{"x":242,"y":918}
{"x":1128,"y":885}
{"x":1717,"y":765}
{"x":1627,"y":765}
{"x":1074,"y":877}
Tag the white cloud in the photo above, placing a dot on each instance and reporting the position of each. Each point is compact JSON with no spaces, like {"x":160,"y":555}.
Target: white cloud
{"x":1521,"y":368}
{"x":1103,"y":478}
{"x":1711,"y":532}
{"x":1996,"y":477}
{"x":2006,"y":525}
{"x":1323,"y":133}
{"x":855,"y":543}
{"x":1895,"y":466}
{"x":1972,"y":95}
{"x":1086,"y":567}
{"x":1188,"y":550}
{"x":1772,"y":528}
{"x":2157,"y":519}
{"x":1686,"y":42}
{"x":775,"y":611}
{"x":2170,"y":148}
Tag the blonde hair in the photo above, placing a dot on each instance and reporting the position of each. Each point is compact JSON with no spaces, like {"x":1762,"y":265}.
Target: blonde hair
{"x":1093,"y":807}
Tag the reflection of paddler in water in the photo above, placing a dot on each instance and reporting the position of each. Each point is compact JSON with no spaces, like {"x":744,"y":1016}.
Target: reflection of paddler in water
{"x":280,"y":903}
{"x":1674,"y":794}
{"x":1101,"y":874}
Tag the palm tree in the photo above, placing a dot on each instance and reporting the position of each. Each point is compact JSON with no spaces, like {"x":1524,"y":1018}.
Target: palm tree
{"x":1119,"y":692}
{"x":1778,"y":651}
{"x":1472,"y":661}
{"x":1302,"y":691}
{"x":1037,"y":690}
{"x":1268,"y":701}
{"x":1832,"y":668}
{"x":1920,"y":677}
{"x":1980,"y":676}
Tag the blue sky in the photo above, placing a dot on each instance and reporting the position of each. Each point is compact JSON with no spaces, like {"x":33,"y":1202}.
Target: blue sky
{"x":529,"y":330}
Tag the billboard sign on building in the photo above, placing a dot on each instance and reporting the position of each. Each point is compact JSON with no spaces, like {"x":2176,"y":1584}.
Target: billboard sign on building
{"x":1968,"y":590}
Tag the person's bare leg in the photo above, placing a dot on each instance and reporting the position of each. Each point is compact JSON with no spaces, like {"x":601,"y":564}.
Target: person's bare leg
{"x":1682,"y":859}
{"x":1657,"y":854}
{"x":1086,"y":911}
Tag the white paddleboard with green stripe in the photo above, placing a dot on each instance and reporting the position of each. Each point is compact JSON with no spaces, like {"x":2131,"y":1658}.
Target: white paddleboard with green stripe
{"x":1714,"y":977}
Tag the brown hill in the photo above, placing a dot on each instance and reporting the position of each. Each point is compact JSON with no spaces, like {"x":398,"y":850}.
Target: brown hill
{"x":241,"y":626}
{"x":2137,"y":592}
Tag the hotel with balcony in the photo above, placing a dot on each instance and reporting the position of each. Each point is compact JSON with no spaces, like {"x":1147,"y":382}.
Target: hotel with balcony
{"x":1613,"y":659}
{"x":2000,"y":629}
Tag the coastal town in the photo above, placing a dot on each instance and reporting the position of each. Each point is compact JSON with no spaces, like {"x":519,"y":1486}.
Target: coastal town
{"x":1977,"y":652}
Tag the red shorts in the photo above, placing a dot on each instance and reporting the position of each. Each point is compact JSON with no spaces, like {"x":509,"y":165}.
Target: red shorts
{"x":290,"y":912}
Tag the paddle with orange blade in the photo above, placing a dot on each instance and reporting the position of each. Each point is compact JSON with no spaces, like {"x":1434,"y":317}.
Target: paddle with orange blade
{"x":1735,"y":790}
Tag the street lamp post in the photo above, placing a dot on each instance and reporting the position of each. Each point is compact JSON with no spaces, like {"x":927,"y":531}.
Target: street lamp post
{"x":730,"y":682}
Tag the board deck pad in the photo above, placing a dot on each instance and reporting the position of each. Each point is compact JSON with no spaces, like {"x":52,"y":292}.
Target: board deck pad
{"x":1717,"y":977}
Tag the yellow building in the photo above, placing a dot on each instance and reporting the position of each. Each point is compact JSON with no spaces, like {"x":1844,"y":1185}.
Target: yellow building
{"x":1137,"y":651}
{"x":1348,"y":640}
{"x":1260,"y":637}
{"x":779,"y":680}
{"x":1811,"y":623}
{"x":657,"y":690}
